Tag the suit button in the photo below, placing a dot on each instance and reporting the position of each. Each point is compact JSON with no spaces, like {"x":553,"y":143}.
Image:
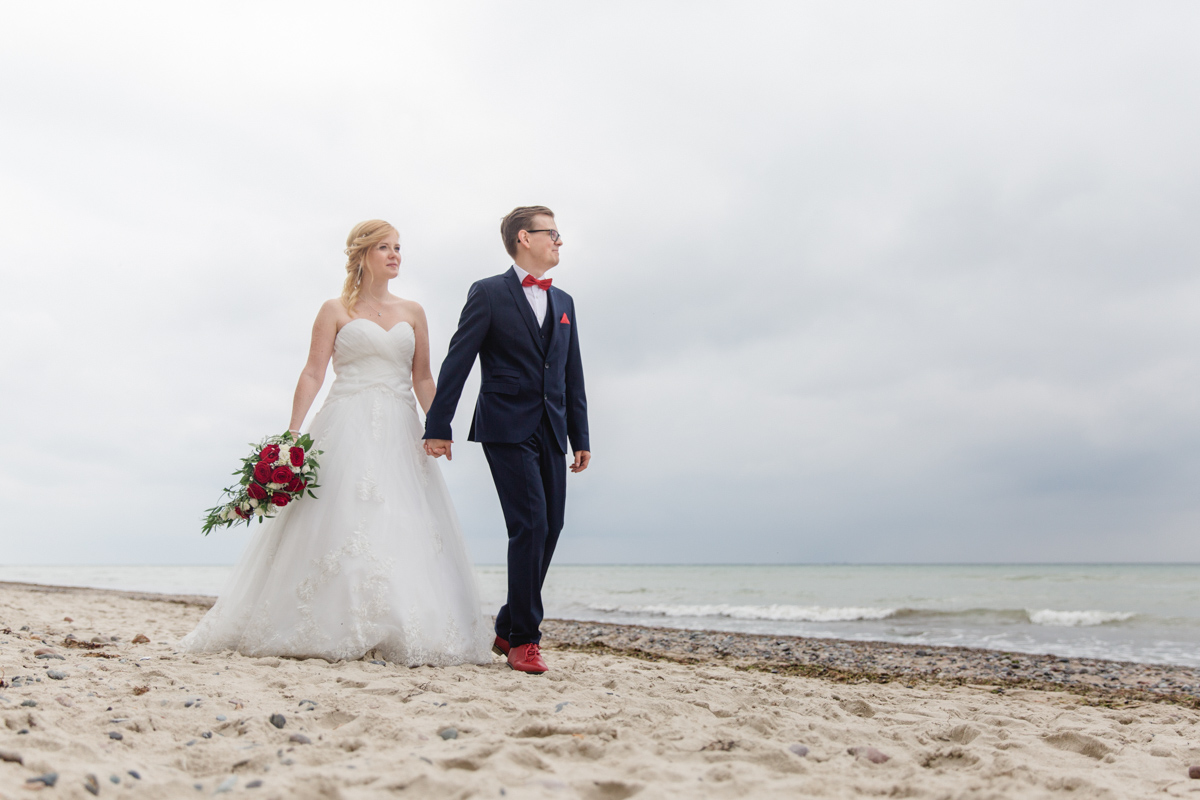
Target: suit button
{"x":547,"y":365}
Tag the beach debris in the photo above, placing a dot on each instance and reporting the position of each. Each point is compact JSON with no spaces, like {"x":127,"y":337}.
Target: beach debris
{"x":141,"y":638}
{"x":278,"y":720}
{"x":254,"y":784}
{"x":56,"y":674}
{"x":299,"y":738}
{"x":448,"y":733}
{"x":8,"y":755}
{"x":227,"y":785}
{"x":869,"y":753}
{"x":720,"y":745}
{"x":29,"y":703}
{"x":67,"y":619}
{"x":49,"y":779}
{"x":138,"y":691}
{"x":237,"y":704}
{"x":117,"y":735}
{"x":65,"y":701}
{"x":91,"y":784}
{"x":1194,"y":772}
{"x":798,"y":749}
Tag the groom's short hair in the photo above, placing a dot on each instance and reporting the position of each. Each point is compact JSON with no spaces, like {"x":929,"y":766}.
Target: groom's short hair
{"x":517,"y":220}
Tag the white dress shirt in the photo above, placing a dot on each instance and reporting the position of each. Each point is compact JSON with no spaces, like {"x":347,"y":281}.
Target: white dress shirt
{"x":536,"y":296}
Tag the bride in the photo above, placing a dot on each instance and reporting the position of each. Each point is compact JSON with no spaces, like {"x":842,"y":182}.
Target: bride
{"x":376,"y":562}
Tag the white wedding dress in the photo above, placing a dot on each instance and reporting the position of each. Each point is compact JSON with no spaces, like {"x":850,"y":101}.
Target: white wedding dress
{"x":376,"y":562}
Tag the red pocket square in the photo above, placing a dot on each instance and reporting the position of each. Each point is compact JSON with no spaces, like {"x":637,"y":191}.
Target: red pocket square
{"x":564,"y":319}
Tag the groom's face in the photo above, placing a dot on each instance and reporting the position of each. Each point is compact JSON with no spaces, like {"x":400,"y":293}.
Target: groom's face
{"x":542,"y":247}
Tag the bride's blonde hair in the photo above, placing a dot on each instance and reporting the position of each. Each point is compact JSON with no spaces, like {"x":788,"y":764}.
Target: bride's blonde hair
{"x":362,"y":238}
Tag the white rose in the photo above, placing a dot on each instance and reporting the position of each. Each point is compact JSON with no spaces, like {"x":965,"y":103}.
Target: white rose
{"x":253,"y":503}
{"x":274,"y":486}
{"x":258,"y":512}
{"x":245,"y":506}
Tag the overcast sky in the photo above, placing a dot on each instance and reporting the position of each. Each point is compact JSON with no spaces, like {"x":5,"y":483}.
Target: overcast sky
{"x":855,"y":281}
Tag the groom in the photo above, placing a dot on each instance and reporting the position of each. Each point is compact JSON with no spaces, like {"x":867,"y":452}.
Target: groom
{"x":531,"y":402}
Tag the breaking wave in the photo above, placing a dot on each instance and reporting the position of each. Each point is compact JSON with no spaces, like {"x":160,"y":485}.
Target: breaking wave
{"x":791,"y":613}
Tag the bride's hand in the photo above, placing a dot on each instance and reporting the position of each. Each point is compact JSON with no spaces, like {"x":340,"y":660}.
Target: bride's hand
{"x":438,"y":448}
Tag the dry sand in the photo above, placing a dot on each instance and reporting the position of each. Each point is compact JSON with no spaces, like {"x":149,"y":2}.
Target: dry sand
{"x":598,"y":725}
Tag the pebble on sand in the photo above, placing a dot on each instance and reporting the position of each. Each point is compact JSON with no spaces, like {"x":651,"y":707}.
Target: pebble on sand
{"x":56,"y":674}
{"x":1194,"y":772}
{"x":254,"y":784}
{"x":798,"y":749}
{"x":49,"y":779}
{"x":299,"y":738}
{"x":278,"y":720}
{"x":448,"y":733}
{"x":141,"y":638}
{"x":8,"y":755}
{"x":869,"y":753}
{"x":67,"y":619}
{"x":116,"y":735}
{"x":91,"y":784}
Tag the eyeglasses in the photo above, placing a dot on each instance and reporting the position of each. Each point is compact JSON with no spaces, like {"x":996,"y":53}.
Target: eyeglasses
{"x":554,"y":237}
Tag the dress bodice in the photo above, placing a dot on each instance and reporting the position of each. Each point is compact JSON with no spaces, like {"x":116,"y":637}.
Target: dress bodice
{"x":366,"y":355}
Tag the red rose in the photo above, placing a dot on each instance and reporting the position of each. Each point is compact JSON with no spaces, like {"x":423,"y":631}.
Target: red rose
{"x":282,"y":475}
{"x":279,"y":499}
{"x":297,"y":485}
{"x":262,"y":472}
{"x":241,"y":513}
{"x":297,"y":456}
{"x":256,"y":491}
{"x":270,"y":453}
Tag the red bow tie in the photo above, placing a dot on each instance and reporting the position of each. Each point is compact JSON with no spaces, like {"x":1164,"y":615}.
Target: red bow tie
{"x":532,"y":281}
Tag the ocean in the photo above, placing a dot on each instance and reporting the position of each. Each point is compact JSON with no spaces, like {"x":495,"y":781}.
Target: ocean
{"x":1128,"y":612}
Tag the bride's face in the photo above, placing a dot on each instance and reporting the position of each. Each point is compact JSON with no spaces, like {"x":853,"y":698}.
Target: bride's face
{"x":383,"y":260}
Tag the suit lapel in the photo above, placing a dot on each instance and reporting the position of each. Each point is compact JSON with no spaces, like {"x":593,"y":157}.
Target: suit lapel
{"x":552,"y":316}
{"x":523,"y":307}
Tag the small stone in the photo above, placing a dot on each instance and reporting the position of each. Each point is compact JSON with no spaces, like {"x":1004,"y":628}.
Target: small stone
{"x":380,"y":663}
{"x":70,"y":637}
{"x":220,"y":718}
{"x":24,"y":627}
{"x":29,"y":703}
{"x":561,"y":706}
{"x":133,"y":773}
{"x":48,"y":656}
{"x":67,"y":619}
{"x":278,"y":720}
{"x":23,"y":732}
{"x":91,"y":784}
{"x":448,"y":733}
{"x":869,"y":753}
{"x":226,"y":785}
{"x":141,"y":638}
{"x":114,"y":778}
{"x":299,"y":738}
{"x":8,"y":755}
{"x":49,"y":779}
{"x":63,"y":700}
{"x":206,"y":735}
{"x":254,"y":784}
{"x":43,"y":651}
{"x":798,"y":749}
{"x":116,"y":735}
{"x":198,"y":786}
{"x":1194,"y":772}
{"x":99,"y":640}
{"x":56,"y":674}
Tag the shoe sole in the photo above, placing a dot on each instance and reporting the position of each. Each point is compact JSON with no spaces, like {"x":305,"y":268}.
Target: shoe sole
{"x":525,"y":671}
{"x":496,"y":649}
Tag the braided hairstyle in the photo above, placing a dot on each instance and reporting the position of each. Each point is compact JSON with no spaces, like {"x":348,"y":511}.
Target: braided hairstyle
{"x":362,"y":238}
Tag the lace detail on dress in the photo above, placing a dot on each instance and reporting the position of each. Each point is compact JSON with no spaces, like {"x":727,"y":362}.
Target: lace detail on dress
{"x":368,"y":489}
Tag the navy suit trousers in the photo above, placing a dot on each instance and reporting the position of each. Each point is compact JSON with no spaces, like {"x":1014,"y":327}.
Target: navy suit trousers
{"x":531,"y":479}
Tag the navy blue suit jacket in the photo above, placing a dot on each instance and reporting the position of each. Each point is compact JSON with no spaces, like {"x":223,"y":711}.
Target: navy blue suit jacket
{"x":526,"y":371}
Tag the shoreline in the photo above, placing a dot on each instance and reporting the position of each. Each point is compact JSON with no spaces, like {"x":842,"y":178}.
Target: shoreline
{"x":1100,"y":681}
{"x":97,"y":701}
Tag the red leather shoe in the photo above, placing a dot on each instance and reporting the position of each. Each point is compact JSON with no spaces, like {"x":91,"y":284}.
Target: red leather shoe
{"x":527,"y":658}
{"x":500,"y":647}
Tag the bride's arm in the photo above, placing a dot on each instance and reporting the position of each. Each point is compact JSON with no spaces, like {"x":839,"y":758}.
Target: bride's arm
{"x":319,"y":352}
{"x":422,"y":377}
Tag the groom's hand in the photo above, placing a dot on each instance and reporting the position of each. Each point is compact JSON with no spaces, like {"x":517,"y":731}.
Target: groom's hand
{"x":582,"y":457}
{"x":438,"y":448}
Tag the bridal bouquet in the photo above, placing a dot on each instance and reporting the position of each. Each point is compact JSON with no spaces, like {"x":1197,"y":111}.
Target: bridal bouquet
{"x":279,"y":470}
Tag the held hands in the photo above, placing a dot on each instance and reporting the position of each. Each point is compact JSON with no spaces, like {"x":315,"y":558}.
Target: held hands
{"x":438,"y":448}
{"x":582,"y":457}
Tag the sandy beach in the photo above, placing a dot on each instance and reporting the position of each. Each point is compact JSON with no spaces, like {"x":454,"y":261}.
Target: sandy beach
{"x":624,"y":712}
